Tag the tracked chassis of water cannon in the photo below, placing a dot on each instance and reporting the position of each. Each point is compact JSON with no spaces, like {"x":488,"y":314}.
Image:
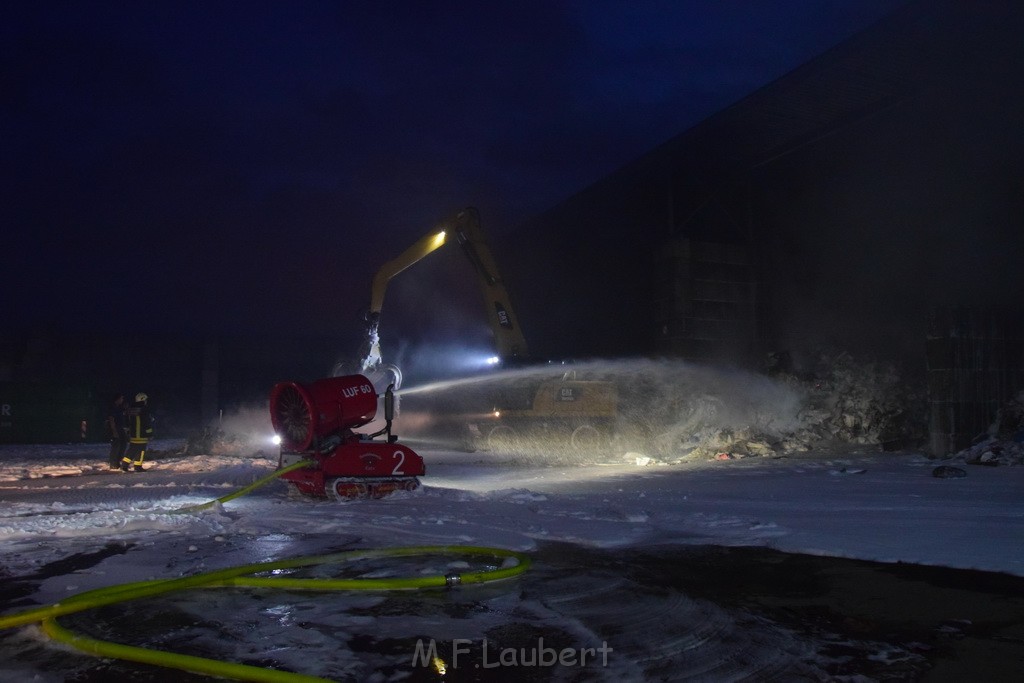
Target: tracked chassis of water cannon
{"x":316,"y":423}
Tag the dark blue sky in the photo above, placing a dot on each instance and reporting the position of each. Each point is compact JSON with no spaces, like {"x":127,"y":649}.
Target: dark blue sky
{"x":234,"y":166}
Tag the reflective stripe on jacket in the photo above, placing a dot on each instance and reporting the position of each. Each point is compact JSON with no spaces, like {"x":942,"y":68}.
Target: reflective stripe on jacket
{"x":140,"y":426}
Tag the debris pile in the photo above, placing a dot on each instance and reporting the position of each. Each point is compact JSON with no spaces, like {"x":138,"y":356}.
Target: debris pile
{"x":842,"y":400}
{"x":993,"y":452}
{"x":861,"y":402}
{"x":1004,"y":444}
{"x":715,"y":443}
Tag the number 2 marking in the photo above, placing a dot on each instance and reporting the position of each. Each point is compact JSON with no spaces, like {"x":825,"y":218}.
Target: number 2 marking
{"x":401,"y":461}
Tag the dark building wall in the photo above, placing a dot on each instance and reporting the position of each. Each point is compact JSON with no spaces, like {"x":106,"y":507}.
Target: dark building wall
{"x":916,"y":206}
{"x":975,"y":364}
{"x":581,"y":275}
{"x":869,"y":185}
{"x":872,"y":187}
{"x":706,"y":298}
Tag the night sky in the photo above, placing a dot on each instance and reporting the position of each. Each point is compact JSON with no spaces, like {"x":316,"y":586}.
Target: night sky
{"x":235,"y":167}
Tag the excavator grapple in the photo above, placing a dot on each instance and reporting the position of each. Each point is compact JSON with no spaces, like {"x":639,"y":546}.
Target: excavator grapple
{"x":316,"y":422}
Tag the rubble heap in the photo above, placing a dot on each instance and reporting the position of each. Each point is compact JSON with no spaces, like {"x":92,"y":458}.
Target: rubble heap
{"x":1004,"y":444}
{"x":844,"y":400}
{"x":993,"y":452}
{"x":862,"y":402}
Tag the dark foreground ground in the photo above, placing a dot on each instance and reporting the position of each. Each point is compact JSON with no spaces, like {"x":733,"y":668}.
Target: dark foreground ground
{"x":963,"y":625}
{"x":668,"y":612}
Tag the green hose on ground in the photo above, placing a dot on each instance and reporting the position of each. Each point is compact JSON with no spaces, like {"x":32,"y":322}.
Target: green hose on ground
{"x":237,"y":576}
{"x":241,"y":576}
{"x":213,"y":667}
{"x":246,"y":489}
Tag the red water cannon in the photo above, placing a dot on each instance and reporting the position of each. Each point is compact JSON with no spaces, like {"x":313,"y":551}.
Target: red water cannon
{"x":303,"y":414}
{"x":320,"y":453}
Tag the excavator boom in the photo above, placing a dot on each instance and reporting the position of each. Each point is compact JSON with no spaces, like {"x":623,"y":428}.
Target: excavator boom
{"x":508,"y":337}
{"x":578,"y":414}
{"x":370,"y":359}
{"x":465,"y":228}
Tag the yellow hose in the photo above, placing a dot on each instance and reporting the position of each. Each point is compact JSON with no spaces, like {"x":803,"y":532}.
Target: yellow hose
{"x":171,"y":660}
{"x":241,"y":576}
{"x":236,"y":576}
{"x":246,"y":489}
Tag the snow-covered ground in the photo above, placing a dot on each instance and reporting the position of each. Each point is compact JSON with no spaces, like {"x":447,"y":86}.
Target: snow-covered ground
{"x":63,"y":502}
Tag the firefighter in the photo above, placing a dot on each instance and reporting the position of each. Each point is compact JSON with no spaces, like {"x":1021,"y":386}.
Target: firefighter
{"x":117,"y":430}
{"x":140,"y":431}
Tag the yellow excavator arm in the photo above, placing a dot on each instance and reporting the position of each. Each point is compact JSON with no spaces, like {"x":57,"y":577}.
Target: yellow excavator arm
{"x":508,"y":336}
{"x":370,"y":357}
{"x":465,"y":228}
